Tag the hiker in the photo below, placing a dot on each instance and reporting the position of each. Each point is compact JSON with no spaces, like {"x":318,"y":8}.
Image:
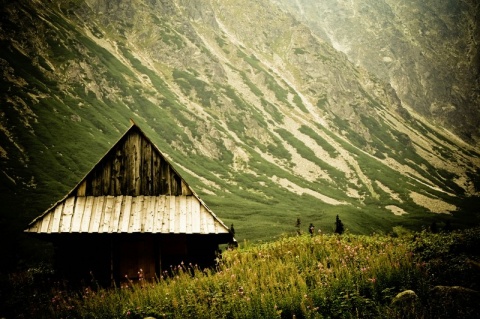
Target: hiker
{"x":311,"y":229}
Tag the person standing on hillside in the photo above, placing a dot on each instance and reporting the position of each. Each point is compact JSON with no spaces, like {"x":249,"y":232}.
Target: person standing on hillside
{"x":311,"y":229}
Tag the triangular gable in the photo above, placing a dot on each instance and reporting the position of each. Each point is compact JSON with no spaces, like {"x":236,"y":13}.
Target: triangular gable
{"x":133,"y":188}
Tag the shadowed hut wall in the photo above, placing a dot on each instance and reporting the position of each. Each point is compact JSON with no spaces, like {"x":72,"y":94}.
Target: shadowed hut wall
{"x":103,"y":257}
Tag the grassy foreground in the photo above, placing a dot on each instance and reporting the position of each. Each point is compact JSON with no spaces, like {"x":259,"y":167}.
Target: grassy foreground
{"x":325,"y":276}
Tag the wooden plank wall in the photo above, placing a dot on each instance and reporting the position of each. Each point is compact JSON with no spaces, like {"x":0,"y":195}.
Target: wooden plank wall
{"x":133,"y":167}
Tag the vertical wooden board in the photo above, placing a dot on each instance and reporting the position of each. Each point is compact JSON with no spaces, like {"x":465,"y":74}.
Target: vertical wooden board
{"x":168,"y":178}
{"x":160,"y":214}
{"x":87,"y":213}
{"x":203,"y":222}
{"x":149,"y":206}
{"x":97,"y":212}
{"x":106,"y":177}
{"x":172,"y":221}
{"x":217,"y":228}
{"x":188,"y":212}
{"x":125,"y":218}
{"x":82,"y":189}
{"x":123,"y":169}
{"x":132,"y":223}
{"x":156,"y":174}
{"x":185,"y":189}
{"x":108,"y":214}
{"x":97,"y":183}
{"x":117,"y":214}
{"x":195,"y":215}
{"x":154,"y":219}
{"x":67,"y":215}
{"x":57,"y":216}
{"x":147,"y":177}
{"x":78,"y":213}
{"x":210,"y":222}
{"x":181,"y":214}
{"x":128,"y":169}
{"x":44,"y":222}
{"x":117,"y":172}
{"x":173,"y":182}
{"x":166,"y":215}
{"x":144,"y":213}
{"x":138,"y":163}
{"x":137,"y":212}
{"x":127,"y":214}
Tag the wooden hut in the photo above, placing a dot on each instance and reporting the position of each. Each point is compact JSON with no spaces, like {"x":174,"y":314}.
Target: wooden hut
{"x":133,"y":216}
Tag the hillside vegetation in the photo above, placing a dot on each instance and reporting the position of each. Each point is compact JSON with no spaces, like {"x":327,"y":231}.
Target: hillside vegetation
{"x":267,"y":121}
{"x":324,"y":276}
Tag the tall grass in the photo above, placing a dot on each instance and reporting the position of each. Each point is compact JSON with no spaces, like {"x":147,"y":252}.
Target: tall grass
{"x":324,"y":276}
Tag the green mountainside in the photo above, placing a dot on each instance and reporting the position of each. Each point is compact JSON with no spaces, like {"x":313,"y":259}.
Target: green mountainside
{"x":266,"y":120}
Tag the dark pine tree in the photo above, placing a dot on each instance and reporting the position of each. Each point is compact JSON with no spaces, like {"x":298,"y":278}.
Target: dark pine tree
{"x":339,"y":228}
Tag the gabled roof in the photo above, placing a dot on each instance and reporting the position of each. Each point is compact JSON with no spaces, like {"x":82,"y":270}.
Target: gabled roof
{"x":132,"y":189}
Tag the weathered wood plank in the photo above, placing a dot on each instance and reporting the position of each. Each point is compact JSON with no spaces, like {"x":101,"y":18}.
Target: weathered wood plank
{"x":43,"y":223}
{"x":181,"y":214}
{"x":172,"y":222}
{"x":188,"y":212}
{"x":137,"y":153}
{"x":67,"y":214}
{"x":195,"y":216}
{"x":149,"y":205}
{"x":203,"y":223}
{"x":210,"y":223}
{"x":78,"y":214}
{"x":57,"y":215}
{"x":97,"y":212}
{"x":147,"y":177}
{"x":160,"y":214}
{"x":106,"y":178}
{"x":117,"y":172}
{"x":117,"y":214}
{"x":166,"y":177}
{"x":156,"y":174}
{"x":82,"y":188}
{"x":186,"y":189}
{"x":132,"y":214}
{"x":108,"y":214}
{"x":137,"y":214}
{"x":127,"y":206}
{"x":87,"y":212}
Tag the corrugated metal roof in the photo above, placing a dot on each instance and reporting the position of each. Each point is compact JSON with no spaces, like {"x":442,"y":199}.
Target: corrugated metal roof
{"x":129,"y":214}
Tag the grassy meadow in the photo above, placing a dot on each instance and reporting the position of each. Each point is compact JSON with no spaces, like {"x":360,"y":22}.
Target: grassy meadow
{"x":324,"y":276}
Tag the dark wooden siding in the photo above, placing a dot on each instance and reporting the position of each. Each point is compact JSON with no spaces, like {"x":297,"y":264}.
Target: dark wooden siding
{"x":133,"y":167}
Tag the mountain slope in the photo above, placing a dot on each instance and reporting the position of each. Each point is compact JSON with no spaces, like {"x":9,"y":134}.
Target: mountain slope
{"x":266,"y":121}
{"x":427,"y":50}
